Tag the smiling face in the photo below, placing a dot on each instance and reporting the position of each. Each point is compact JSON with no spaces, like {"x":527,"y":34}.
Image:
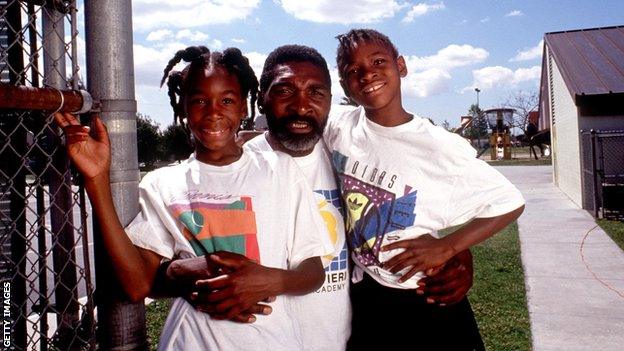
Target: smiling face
{"x":214,"y":108}
{"x":372,"y":77}
{"x":297,"y":104}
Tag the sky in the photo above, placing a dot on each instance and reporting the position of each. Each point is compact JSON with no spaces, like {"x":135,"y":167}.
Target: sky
{"x":451,"y":47}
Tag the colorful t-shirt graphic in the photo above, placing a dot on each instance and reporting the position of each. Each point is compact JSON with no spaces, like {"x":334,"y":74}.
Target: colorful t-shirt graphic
{"x":219,"y":225}
{"x":372,"y":211}
{"x":330,"y":208}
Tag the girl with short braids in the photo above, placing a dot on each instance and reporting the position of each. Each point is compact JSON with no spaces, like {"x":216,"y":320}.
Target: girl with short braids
{"x":200,"y":57}
{"x":251,"y":214}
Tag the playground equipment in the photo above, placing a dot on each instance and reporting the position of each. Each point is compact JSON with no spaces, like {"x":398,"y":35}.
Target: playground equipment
{"x":499,"y":120}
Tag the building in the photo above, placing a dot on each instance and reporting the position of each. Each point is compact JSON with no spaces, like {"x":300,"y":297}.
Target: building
{"x":582,"y":89}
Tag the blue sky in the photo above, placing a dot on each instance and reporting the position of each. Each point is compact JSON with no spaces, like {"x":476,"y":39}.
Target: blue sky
{"x":451,"y":46}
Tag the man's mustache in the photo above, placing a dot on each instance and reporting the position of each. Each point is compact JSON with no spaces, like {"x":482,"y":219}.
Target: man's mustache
{"x":284,"y":121}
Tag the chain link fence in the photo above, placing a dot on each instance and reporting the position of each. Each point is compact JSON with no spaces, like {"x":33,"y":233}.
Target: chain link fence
{"x":46,"y":251}
{"x":603,"y":173}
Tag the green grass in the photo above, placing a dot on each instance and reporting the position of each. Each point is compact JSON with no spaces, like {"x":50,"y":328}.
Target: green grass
{"x":614,"y":229}
{"x":155,"y":316}
{"x":498,"y":296}
{"x":520,"y":162}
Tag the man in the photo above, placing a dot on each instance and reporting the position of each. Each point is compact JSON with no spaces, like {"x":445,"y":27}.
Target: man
{"x":295,"y":96}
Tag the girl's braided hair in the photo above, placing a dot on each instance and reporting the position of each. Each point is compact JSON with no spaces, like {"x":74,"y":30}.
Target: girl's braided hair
{"x":200,"y":58}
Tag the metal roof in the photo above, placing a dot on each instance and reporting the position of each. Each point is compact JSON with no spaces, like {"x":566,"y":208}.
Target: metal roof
{"x":591,"y":61}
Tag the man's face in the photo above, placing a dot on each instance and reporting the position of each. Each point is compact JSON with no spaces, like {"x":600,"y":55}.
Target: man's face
{"x":297,"y":104}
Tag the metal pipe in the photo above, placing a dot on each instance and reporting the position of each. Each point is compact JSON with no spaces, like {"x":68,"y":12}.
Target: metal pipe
{"x":110,"y":78}
{"x":45,"y":99}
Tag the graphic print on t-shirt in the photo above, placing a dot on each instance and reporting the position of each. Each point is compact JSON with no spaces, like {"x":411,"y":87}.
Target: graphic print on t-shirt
{"x":219,"y":224}
{"x":336,"y":274}
{"x":372,"y":212}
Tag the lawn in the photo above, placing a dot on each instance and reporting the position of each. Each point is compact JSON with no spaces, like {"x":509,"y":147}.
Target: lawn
{"x":521,"y":162}
{"x":614,"y":229}
{"x":155,"y":316}
{"x":498,"y":296}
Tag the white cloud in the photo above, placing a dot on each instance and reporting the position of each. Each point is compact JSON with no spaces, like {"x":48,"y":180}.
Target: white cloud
{"x":450,"y":57}
{"x":256,"y":61}
{"x":158,"y":35}
{"x":421,"y":9}
{"x":426,"y":83}
{"x":148,"y":14}
{"x":215,"y":44}
{"x":238,"y":40}
{"x":486,"y":19}
{"x":514,"y":13}
{"x":431,"y":75}
{"x":336,"y":88}
{"x":529,"y":54}
{"x":150,"y":62}
{"x":498,"y":76}
{"x":527,"y":74}
{"x":464,"y":21}
{"x":192,"y":36}
{"x":343,"y":12}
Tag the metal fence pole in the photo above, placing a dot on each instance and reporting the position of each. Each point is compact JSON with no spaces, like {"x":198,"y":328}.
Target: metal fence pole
{"x":110,"y":79}
{"x":594,"y":172}
{"x":61,"y":219}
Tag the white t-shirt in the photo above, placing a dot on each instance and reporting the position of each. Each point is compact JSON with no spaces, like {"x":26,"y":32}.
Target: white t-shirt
{"x":242,"y":208}
{"x":325,"y":315}
{"x":402,"y":182}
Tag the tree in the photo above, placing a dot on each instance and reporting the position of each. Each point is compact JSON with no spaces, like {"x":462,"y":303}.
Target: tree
{"x":149,"y":140}
{"x":176,"y":143}
{"x":479,"y":127}
{"x":524,"y":103}
{"x":447,"y":125}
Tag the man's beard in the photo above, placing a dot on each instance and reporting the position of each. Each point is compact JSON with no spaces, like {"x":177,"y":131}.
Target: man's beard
{"x":292,"y":141}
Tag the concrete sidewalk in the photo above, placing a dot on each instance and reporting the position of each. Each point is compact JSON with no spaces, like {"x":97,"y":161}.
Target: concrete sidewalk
{"x":574,"y":273}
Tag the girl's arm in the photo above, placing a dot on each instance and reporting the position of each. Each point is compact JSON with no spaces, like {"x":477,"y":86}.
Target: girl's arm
{"x":135,"y":268}
{"x":426,"y":252}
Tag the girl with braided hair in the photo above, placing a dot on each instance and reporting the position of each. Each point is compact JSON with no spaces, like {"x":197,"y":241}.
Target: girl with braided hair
{"x":223,"y":202}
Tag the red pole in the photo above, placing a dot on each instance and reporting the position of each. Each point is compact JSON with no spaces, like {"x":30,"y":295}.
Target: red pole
{"x":44,"y":99}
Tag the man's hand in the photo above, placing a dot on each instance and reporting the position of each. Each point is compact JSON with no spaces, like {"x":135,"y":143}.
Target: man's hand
{"x":243,"y":287}
{"x":421,"y":253}
{"x":450,"y":283}
{"x":178,"y":278}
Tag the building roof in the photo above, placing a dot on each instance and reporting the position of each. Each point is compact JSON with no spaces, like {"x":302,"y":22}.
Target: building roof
{"x":591,"y":61}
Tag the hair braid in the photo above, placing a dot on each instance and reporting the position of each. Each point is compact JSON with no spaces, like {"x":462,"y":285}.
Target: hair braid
{"x":238,"y":64}
{"x":175,"y":79}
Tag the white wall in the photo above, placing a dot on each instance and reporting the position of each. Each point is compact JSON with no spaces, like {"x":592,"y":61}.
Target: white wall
{"x":565,"y":138}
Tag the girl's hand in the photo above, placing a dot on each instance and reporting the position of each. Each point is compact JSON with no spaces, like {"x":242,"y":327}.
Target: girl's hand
{"x":90,"y":152}
{"x":421,"y":253}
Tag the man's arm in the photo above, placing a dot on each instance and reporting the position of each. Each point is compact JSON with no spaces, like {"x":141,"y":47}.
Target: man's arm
{"x":247,"y":283}
{"x":178,"y":278}
{"x":449,"y":284}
